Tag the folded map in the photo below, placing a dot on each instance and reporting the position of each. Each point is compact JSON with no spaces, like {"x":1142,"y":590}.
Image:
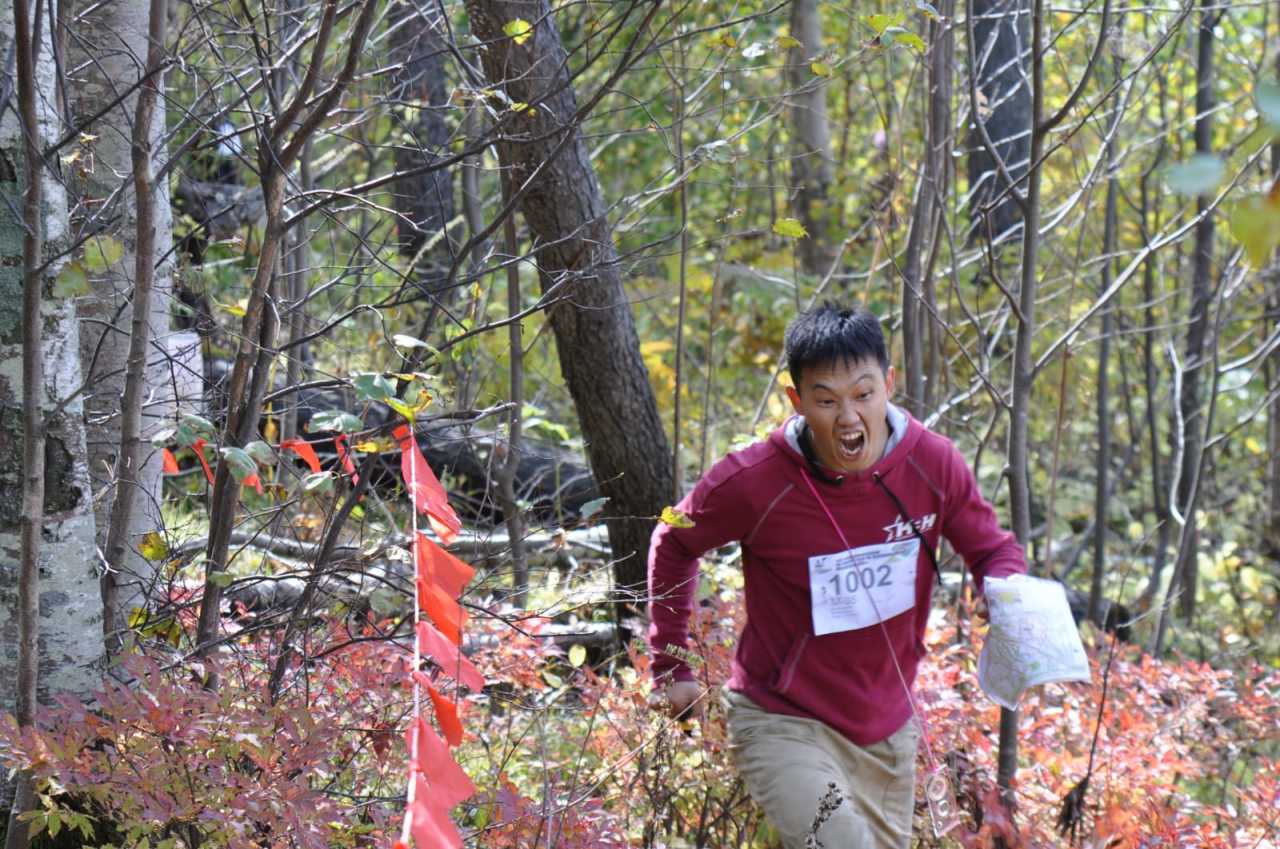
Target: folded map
{"x":1032,"y":639}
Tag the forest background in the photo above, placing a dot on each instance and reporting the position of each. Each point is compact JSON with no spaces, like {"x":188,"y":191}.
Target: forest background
{"x":244,"y":244}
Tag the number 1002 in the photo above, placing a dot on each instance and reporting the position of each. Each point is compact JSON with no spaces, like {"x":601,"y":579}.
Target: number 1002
{"x":853,"y":579}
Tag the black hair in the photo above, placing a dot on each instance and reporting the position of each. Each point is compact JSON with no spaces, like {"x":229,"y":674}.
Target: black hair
{"x":829,"y":334}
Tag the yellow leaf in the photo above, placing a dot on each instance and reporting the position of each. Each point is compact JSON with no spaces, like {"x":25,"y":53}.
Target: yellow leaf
{"x":369,"y":447}
{"x":577,"y":655}
{"x":402,"y":408}
{"x":727,"y":40}
{"x":1253,"y":446}
{"x":787,"y":42}
{"x":1255,"y":223}
{"x":673,"y":517}
{"x":790,"y":227}
{"x":424,"y":401}
{"x":519,"y":30}
{"x":821,"y":69}
{"x":520,"y":107}
{"x":153,"y":547}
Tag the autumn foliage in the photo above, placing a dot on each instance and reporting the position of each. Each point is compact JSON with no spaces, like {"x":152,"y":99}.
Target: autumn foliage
{"x":563,"y":753}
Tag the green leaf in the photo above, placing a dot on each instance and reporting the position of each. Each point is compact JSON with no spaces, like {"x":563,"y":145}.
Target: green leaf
{"x":55,"y":824}
{"x":72,"y":282}
{"x":880,"y":23}
{"x":592,"y":507}
{"x":786,"y":42}
{"x":200,"y":425}
{"x":790,"y":227}
{"x":519,"y":30}
{"x":102,"y":252}
{"x":318,"y":483}
{"x":1255,"y":223}
{"x":1268,"y":99}
{"x":338,"y":421}
{"x":820,"y":69}
{"x":372,"y":387}
{"x":261,"y":452}
{"x":239,"y":462}
{"x":898,"y":35}
{"x":577,"y":655}
{"x":1197,"y":176}
{"x":553,"y":679}
{"x":221,"y":580}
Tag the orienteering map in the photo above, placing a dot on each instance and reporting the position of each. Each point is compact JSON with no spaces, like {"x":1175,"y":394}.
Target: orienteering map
{"x":1032,"y":639}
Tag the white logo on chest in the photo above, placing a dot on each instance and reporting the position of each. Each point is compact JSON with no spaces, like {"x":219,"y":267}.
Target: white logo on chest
{"x":901,"y":528}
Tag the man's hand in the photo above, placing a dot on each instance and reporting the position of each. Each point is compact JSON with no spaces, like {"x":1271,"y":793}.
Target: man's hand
{"x":685,"y":700}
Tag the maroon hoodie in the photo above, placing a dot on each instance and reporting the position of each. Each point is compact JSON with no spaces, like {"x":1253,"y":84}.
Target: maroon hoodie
{"x":760,"y":498}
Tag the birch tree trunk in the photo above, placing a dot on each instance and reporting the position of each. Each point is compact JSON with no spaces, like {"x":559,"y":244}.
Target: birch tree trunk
{"x":66,"y":613}
{"x":110,"y":51}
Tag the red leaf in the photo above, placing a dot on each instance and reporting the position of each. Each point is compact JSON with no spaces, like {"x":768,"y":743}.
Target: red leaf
{"x":441,"y":567}
{"x":434,"y":644}
{"x":429,"y":820}
{"x":424,"y":487}
{"x":344,"y":455}
{"x":304,"y":450}
{"x":442,"y":609}
{"x":253,"y":481}
{"x":446,"y":715}
{"x":168,"y":462}
{"x":198,"y":447}
{"x":449,"y":784}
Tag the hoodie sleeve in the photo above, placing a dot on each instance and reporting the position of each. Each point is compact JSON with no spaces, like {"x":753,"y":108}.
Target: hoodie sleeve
{"x":971,"y":526}
{"x":718,"y":508}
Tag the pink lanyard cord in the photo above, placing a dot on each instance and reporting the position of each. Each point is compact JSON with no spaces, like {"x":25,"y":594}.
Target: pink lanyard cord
{"x":916,"y":713}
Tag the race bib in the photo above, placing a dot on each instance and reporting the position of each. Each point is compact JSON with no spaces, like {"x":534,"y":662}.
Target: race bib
{"x":863,"y":586}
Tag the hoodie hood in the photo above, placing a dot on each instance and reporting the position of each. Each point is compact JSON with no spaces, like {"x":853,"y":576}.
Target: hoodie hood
{"x":902,"y":429}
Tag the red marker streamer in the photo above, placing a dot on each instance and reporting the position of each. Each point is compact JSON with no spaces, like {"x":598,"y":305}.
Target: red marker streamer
{"x":436,"y":783}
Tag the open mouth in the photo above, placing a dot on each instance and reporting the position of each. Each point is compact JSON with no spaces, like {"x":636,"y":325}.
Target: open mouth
{"x":850,"y":445}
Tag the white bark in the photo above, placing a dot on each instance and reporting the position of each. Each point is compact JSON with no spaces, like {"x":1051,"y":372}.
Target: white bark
{"x":70,"y":610}
{"x":110,"y":49}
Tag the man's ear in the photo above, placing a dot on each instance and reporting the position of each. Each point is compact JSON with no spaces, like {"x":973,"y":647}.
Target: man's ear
{"x":794,"y":397}
{"x":889,"y":381}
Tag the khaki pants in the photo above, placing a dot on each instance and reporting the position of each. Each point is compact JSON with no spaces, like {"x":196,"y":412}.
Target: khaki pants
{"x":788,"y":762}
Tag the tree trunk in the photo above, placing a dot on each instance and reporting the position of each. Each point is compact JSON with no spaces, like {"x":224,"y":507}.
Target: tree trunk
{"x":1159,"y":491}
{"x":812,"y":168}
{"x":599,"y":352}
{"x":424,"y":203}
{"x":1202,"y":275}
{"x":110,"y":48}
{"x":1000,"y":47}
{"x":51,"y":588}
{"x":1273,"y":410}
{"x":1103,"y":466}
{"x":922,"y":237}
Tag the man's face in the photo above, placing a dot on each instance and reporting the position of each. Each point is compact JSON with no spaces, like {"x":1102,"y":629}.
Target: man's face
{"x":845,"y":404}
